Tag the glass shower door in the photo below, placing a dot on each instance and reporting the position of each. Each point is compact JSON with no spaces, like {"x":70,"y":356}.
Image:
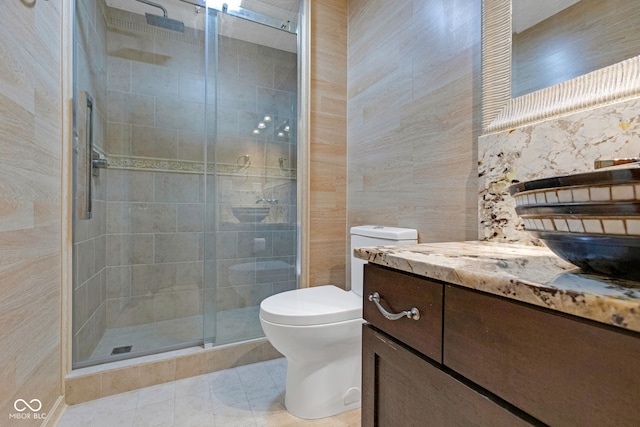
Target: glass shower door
{"x":185,"y":151}
{"x":138,"y":258}
{"x":253,"y":146}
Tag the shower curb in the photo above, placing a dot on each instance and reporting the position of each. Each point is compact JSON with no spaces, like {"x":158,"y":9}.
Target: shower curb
{"x":85,"y":384}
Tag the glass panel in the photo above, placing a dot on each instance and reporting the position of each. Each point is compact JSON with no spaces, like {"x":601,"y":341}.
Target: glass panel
{"x":255,"y":167}
{"x":210,"y":283}
{"x":138,"y":263}
{"x":194,"y":219}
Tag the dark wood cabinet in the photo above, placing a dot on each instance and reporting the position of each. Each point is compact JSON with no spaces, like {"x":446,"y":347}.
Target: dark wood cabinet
{"x":562,"y":370}
{"x":401,"y":388}
{"x":490,"y":361}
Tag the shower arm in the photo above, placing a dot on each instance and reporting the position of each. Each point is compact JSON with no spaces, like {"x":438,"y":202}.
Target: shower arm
{"x":159,"y":6}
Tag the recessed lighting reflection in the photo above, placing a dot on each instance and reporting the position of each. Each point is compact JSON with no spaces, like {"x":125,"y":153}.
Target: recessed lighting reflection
{"x":280,"y":134}
{"x":256,"y":131}
{"x":267,"y":118}
{"x":261,"y":125}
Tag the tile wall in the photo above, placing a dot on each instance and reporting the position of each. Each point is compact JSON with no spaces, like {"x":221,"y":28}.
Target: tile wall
{"x":414,"y":116}
{"x":32,"y":329}
{"x":327,"y":233}
{"x":150,"y":245}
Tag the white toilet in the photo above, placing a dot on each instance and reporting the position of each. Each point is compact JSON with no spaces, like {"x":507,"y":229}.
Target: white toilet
{"x":319,"y":331}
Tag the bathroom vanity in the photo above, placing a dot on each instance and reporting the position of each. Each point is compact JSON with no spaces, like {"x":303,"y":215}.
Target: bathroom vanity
{"x":507,"y":335}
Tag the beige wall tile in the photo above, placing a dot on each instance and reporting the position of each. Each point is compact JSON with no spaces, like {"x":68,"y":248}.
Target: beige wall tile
{"x":179,"y":55}
{"x":119,"y":74}
{"x":154,"y":142}
{"x":180,"y":115}
{"x":328,"y":127}
{"x":124,"y":107}
{"x":413,"y":117}
{"x":191,"y":87}
{"x":154,"y":80}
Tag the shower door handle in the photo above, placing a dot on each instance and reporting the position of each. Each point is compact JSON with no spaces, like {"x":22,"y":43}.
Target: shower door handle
{"x":83,"y":141}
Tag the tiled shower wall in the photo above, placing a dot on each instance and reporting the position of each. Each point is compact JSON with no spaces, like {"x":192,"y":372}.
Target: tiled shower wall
{"x":155,"y":202}
{"x":155,"y":192}
{"x":89,"y":319}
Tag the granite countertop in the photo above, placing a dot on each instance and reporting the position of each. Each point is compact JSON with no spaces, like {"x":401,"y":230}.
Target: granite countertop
{"x":529,"y":274}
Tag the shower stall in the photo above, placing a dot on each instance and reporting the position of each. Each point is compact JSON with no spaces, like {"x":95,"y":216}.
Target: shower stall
{"x":185,"y":120}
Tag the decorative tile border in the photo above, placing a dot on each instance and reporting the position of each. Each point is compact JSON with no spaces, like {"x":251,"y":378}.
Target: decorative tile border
{"x":625,"y":226}
{"x":554,"y":196}
{"x":160,"y":165}
{"x":192,"y":167}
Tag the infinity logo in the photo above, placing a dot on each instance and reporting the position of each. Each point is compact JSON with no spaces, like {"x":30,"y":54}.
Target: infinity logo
{"x":25,"y":405}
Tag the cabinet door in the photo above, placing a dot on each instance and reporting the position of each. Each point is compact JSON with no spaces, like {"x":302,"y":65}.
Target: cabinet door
{"x":399,"y":388}
{"x":561,"y":370}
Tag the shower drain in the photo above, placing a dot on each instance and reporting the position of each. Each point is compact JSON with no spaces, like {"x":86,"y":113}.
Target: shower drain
{"x":120,"y":350}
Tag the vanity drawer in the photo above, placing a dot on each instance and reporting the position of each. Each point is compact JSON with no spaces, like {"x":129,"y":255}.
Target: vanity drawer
{"x":399,"y":292}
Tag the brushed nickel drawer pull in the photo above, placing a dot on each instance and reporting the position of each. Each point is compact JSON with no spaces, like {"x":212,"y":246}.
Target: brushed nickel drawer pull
{"x":414,"y":313}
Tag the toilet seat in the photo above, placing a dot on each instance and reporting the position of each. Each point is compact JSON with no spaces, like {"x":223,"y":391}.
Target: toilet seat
{"x":311,"y":306}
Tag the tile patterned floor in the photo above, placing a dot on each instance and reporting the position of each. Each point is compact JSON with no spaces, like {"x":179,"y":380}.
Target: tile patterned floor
{"x":247,"y":396}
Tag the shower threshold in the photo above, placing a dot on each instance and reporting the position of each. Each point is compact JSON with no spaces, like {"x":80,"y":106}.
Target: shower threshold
{"x":232,"y":325}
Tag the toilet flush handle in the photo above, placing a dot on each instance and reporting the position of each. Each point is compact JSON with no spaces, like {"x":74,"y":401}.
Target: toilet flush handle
{"x":413,"y":313}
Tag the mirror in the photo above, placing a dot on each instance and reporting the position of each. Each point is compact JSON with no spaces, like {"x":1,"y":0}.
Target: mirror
{"x":557,"y":40}
{"x":501,"y":112}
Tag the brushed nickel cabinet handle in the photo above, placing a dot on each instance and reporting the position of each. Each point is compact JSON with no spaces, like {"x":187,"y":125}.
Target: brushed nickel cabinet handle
{"x":413,"y":313}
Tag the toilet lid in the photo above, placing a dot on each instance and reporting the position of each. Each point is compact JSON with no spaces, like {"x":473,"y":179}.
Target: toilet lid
{"x":311,"y":306}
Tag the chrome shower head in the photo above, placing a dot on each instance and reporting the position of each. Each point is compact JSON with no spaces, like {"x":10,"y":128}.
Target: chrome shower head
{"x":164,"y":22}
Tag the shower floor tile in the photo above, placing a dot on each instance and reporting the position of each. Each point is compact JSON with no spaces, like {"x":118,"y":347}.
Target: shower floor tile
{"x":251,"y":396}
{"x":232,"y":325}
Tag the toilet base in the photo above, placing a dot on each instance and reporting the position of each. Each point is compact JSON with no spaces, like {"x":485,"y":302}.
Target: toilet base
{"x":319,"y":391}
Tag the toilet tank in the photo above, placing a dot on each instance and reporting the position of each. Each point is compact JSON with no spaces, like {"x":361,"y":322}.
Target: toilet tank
{"x":375,"y":235}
